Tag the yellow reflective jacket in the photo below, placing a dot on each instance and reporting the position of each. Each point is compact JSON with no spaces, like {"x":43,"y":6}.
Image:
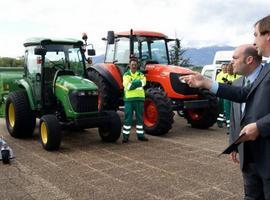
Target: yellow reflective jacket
{"x":220,"y":76}
{"x":133,"y":86}
{"x":225,"y":76}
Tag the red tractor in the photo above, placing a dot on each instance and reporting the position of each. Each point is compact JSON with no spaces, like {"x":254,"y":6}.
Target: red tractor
{"x":164,"y":92}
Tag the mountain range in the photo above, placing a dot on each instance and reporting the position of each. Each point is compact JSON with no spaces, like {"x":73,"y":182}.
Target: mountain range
{"x":197,"y":56}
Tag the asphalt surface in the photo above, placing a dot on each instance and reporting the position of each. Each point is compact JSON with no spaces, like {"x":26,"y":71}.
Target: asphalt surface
{"x":182,"y":164}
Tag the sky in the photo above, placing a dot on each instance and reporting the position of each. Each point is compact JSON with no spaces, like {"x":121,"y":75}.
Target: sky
{"x":198,"y":23}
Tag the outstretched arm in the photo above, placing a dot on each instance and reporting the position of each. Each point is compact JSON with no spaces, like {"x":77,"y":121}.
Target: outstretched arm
{"x":233,"y":93}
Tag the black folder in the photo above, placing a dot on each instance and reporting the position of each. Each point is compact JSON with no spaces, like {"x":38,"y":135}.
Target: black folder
{"x":233,"y":146}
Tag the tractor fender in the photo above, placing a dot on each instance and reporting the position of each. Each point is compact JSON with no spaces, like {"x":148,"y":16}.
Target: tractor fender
{"x":25,"y":85}
{"x":106,"y":75}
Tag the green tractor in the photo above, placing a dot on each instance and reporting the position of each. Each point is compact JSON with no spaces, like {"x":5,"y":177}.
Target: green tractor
{"x":51,"y":86}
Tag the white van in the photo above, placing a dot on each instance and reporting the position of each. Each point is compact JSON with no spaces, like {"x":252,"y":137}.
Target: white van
{"x":221,"y":57}
{"x":211,"y":71}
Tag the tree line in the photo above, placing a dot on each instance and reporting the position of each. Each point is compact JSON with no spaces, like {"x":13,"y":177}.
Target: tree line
{"x":11,"y":62}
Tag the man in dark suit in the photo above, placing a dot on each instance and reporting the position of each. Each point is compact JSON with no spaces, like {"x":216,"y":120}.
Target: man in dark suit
{"x":255,"y":119}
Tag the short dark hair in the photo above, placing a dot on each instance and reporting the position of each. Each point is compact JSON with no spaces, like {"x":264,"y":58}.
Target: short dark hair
{"x":133,"y":58}
{"x":264,"y":25}
{"x":251,"y":51}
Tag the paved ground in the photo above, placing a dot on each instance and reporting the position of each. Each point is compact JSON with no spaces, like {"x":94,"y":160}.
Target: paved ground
{"x":180,"y":165}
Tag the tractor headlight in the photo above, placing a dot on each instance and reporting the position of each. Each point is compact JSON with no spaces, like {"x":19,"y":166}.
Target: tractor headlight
{"x":86,"y":93}
{"x":81,"y":93}
{"x":95,"y":93}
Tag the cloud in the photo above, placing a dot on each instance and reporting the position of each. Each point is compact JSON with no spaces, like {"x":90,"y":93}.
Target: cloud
{"x":199,"y":23}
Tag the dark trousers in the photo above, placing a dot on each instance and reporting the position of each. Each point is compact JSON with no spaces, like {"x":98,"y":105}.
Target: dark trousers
{"x":130,"y":108}
{"x":255,"y":186}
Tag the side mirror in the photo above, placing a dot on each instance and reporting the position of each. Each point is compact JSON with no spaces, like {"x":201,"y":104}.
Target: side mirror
{"x":110,"y":37}
{"x":40,"y":51}
{"x":91,"y":52}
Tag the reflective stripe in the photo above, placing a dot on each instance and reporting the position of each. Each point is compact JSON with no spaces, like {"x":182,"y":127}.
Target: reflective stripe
{"x":143,"y":82}
{"x":139,"y":126}
{"x":126,"y":132}
{"x":126,"y":127}
{"x":129,"y":85}
{"x":221,"y":119}
{"x":139,"y":132}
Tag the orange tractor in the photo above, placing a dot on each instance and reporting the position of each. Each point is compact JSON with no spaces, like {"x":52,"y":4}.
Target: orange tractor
{"x":164,"y":92}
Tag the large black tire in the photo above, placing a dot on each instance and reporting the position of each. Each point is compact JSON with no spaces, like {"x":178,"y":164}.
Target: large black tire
{"x":5,"y":156}
{"x":50,"y":132}
{"x":206,"y":117}
{"x":20,"y":119}
{"x":111,"y":131}
{"x":108,"y":98}
{"x":158,"y":114}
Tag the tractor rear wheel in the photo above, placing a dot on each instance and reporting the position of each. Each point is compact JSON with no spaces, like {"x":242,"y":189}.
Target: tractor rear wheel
{"x":111,"y":131}
{"x":108,"y":99}
{"x":203,"y":118}
{"x":50,"y":132}
{"x":20,"y":119}
{"x":158,"y":114}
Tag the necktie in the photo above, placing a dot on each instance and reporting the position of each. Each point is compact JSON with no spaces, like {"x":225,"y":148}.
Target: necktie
{"x":247,"y":82}
{"x":243,"y":105}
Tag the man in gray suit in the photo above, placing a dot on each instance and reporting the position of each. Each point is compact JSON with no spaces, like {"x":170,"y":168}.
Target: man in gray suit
{"x":255,"y":119}
{"x":247,"y":63}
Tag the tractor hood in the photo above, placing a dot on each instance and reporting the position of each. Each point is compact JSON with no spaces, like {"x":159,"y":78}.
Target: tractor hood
{"x":167,"y":76}
{"x":70,"y":83}
{"x":165,"y":70}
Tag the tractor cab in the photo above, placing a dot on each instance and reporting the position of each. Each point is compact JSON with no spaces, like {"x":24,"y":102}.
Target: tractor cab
{"x":148,"y":47}
{"x":45,"y":60}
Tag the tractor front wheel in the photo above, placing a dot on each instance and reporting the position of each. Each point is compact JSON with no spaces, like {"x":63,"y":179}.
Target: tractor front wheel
{"x":158,"y":114}
{"x":111,"y":131}
{"x":203,"y":118}
{"x":50,"y":132}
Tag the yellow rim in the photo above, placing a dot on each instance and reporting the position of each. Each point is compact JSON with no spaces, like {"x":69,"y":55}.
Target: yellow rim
{"x":44,"y":133}
{"x":11,"y":115}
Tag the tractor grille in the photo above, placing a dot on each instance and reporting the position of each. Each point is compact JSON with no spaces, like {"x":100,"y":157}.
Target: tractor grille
{"x":181,"y":88}
{"x":87,"y":103}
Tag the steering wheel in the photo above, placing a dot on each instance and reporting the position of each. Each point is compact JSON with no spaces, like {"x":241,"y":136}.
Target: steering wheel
{"x":145,"y":57}
{"x":57,"y":65}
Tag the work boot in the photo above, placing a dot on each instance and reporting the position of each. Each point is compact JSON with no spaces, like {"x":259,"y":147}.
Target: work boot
{"x":143,"y":138}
